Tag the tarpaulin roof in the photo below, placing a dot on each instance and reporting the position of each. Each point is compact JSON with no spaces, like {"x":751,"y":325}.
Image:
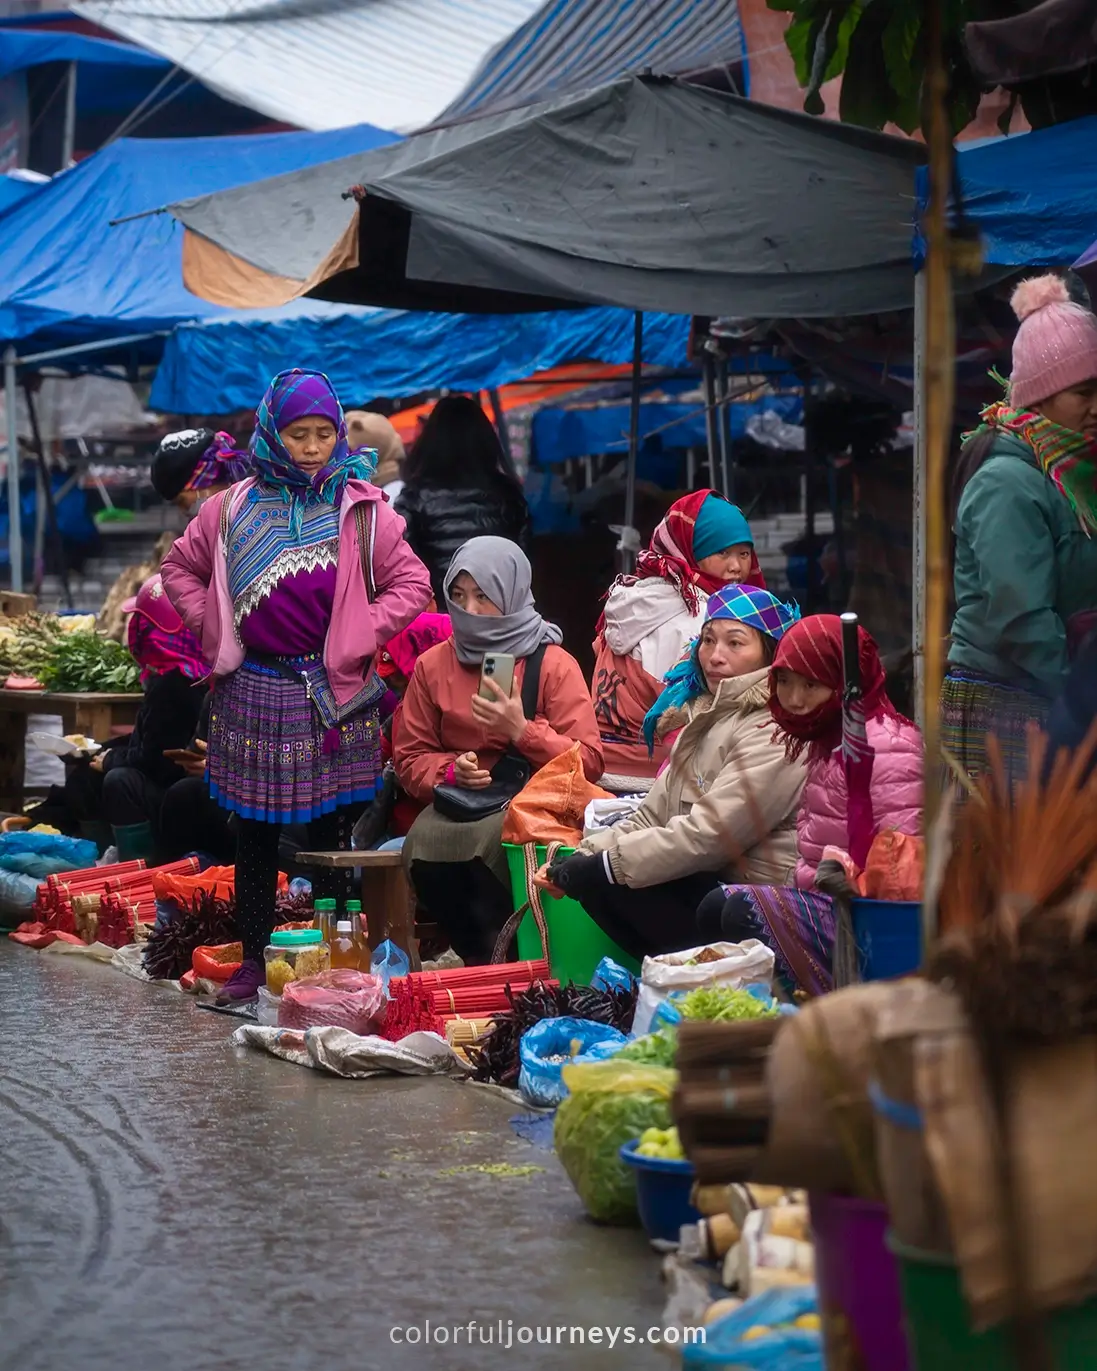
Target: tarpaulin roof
{"x":396,"y":63}
{"x":23,"y":48}
{"x":221,"y":365}
{"x":1033,"y":196}
{"x":644,"y":194}
{"x":579,"y":44}
{"x":68,"y":277}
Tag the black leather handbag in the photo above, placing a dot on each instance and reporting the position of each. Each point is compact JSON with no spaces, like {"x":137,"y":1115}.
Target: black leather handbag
{"x":509,"y":774}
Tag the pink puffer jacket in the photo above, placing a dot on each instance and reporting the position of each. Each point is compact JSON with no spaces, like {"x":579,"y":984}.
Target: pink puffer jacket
{"x":896,"y":794}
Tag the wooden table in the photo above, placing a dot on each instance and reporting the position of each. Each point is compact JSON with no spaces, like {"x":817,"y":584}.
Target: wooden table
{"x":94,"y":713}
{"x":387,"y":900}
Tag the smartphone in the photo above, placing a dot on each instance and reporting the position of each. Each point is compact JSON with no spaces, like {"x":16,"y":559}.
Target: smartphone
{"x":498,"y":667}
{"x":184,"y":754}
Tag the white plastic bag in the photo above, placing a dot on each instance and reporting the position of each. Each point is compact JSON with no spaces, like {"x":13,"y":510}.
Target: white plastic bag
{"x":740,"y":964}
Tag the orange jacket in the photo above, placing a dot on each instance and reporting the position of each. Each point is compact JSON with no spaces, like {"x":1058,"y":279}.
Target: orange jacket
{"x":435,"y":724}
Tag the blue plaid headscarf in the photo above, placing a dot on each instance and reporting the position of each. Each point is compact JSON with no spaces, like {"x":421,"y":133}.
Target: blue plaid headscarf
{"x":294,"y":395}
{"x":686,"y":681}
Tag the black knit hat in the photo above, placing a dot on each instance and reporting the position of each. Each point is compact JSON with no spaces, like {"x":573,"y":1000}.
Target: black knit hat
{"x":176,"y":458}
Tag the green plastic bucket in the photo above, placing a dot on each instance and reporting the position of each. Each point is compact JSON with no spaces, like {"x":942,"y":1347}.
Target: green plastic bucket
{"x":940,"y":1335}
{"x":576,"y":943}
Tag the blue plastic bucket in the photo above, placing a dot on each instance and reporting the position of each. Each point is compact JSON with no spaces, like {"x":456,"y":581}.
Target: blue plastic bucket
{"x":889,"y":937}
{"x":662,"y":1192}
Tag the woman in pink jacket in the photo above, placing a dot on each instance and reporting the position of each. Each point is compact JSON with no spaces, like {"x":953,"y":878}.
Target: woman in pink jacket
{"x":292,"y":580}
{"x":806,"y":703}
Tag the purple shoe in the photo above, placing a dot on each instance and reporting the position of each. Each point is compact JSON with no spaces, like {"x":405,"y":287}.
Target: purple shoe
{"x":244,"y":983}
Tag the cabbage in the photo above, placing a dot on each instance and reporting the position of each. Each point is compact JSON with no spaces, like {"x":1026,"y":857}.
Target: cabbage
{"x":609,"y":1104}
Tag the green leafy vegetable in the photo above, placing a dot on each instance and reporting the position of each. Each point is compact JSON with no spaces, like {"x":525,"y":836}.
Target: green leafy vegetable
{"x":719,"y":1004}
{"x":89,"y":662}
{"x":656,"y":1049}
{"x":595,"y":1120}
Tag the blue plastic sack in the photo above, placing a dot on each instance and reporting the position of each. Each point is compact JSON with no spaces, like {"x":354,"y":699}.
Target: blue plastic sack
{"x":44,"y":854}
{"x":388,"y":961}
{"x":786,"y":1349}
{"x":541,"y":1081}
{"x":17,"y":893}
{"x":667,"y":1015}
{"x":611,"y":975}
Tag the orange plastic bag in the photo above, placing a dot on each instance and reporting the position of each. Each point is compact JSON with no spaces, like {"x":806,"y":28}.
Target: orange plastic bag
{"x":896,"y":867}
{"x":550,"y":808}
{"x":219,"y":880}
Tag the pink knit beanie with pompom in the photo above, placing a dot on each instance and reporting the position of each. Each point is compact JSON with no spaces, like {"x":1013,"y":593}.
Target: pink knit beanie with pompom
{"x":1056,"y":344}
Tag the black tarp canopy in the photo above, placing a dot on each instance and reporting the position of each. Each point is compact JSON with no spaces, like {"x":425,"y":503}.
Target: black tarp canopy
{"x":646,"y":194}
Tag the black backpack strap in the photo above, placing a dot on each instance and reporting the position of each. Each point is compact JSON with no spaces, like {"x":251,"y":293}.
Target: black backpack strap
{"x":531,"y":682}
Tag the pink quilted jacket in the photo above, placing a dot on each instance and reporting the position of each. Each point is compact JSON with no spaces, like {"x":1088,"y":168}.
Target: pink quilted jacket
{"x":896,"y":794}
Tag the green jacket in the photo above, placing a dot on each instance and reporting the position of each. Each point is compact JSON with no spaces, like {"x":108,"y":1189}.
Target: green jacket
{"x":1024,"y":567}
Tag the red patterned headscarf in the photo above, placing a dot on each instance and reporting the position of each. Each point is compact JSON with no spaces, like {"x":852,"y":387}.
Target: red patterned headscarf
{"x":157,"y":638}
{"x":402,"y":652}
{"x":670,"y":555}
{"x":813,"y":647}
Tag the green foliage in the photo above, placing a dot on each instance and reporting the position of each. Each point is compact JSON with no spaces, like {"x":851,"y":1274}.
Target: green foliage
{"x":878,"y":47}
{"x":87,"y":661}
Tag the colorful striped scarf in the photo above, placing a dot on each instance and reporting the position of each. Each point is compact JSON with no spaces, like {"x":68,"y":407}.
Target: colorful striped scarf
{"x":294,"y":395}
{"x":1067,"y":458}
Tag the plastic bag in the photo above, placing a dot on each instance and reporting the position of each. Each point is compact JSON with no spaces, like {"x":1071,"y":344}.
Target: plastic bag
{"x":611,"y":975}
{"x":44,"y":854}
{"x":785,"y":1349}
{"x":740,"y":964}
{"x":17,"y":892}
{"x":609,"y":1104}
{"x":895,"y":867}
{"x":339,"y":999}
{"x":217,"y":963}
{"x":540,"y":1080}
{"x":388,"y":961}
{"x":550,"y":807}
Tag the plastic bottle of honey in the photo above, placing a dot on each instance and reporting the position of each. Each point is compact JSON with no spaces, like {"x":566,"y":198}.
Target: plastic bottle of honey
{"x":324,"y":918}
{"x":344,"y":947}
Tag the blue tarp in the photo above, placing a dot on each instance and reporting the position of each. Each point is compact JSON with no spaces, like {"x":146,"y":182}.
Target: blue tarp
{"x":24,"y":48}
{"x":1033,"y":196}
{"x":222,"y":365}
{"x":68,"y":277}
{"x":561,"y":432}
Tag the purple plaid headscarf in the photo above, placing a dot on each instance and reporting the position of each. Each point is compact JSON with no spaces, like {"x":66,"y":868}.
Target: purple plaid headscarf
{"x":742,"y":604}
{"x":294,"y":395}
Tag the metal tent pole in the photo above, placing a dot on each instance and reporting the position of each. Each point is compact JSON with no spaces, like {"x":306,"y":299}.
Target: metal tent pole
{"x":708,"y":375}
{"x":727,"y":471}
{"x":47,"y":492}
{"x":68,"y":141}
{"x":15,"y":526}
{"x":918,"y":560}
{"x":629,"y":543}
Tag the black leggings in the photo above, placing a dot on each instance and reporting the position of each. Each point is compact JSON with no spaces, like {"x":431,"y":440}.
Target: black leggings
{"x":654,"y":919}
{"x":257,"y":872}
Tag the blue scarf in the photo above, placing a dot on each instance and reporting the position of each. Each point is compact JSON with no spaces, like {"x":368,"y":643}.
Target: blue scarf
{"x":745,"y":605}
{"x":294,"y":395}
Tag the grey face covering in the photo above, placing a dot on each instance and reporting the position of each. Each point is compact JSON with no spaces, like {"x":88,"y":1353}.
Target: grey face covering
{"x":502,"y":571}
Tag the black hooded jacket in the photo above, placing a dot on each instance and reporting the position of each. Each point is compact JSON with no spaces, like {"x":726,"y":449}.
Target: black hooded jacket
{"x":440,"y":519}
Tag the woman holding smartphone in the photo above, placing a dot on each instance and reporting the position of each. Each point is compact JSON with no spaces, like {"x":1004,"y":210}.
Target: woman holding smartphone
{"x":460,"y":730}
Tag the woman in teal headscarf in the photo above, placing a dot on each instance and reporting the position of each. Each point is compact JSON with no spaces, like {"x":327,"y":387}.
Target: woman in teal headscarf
{"x":726,"y":802}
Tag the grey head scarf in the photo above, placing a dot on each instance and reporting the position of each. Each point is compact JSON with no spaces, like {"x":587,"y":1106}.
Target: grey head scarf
{"x":502,"y":571}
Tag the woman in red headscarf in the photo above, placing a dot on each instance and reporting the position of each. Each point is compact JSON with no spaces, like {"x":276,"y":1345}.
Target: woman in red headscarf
{"x":651,"y":619}
{"x":807,"y":680}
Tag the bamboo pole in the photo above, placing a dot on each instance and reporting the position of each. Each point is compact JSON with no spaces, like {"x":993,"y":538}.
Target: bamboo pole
{"x":939,"y":372}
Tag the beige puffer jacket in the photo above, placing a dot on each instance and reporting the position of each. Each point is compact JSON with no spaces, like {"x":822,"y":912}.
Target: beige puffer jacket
{"x":726,"y":803}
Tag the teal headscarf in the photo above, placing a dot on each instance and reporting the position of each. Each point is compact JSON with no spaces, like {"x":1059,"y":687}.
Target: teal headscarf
{"x":686,"y":681}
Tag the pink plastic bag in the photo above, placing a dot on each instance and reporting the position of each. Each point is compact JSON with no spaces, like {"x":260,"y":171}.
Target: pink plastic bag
{"x":344,"y":999}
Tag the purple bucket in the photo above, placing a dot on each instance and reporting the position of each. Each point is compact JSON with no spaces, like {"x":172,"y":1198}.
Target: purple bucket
{"x":858,"y":1282}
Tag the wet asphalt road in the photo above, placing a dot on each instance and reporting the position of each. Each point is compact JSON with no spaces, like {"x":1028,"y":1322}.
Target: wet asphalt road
{"x":170,"y":1201}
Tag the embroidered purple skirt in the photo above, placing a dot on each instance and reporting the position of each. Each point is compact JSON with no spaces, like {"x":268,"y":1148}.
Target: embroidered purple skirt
{"x":267,"y":758}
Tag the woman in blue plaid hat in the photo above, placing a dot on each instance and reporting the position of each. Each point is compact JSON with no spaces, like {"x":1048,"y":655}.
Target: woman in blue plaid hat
{"x":726,"y":801}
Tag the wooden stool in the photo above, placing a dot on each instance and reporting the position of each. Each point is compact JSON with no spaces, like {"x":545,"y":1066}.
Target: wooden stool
{"x":387,"y":899}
